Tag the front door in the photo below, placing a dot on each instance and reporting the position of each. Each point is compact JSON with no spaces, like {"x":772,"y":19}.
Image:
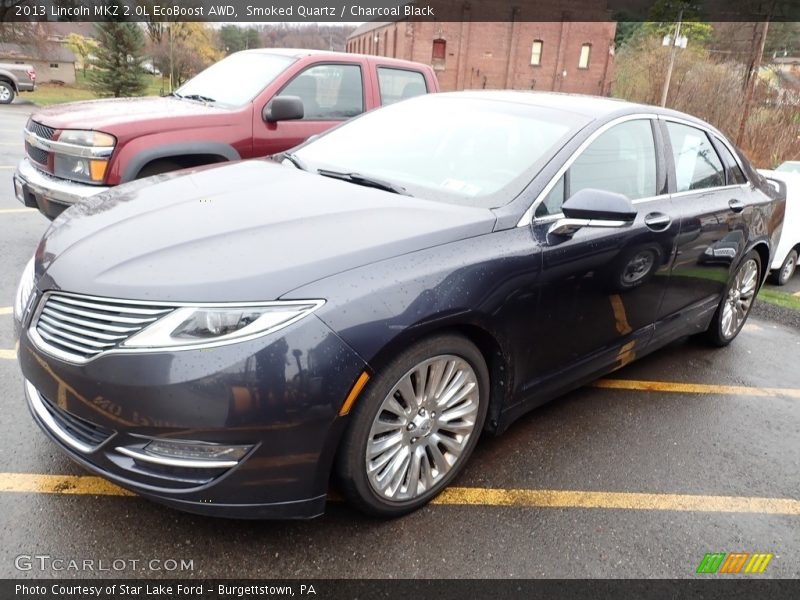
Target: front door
{"x":331,"y":93}
{"x":601,"y":288}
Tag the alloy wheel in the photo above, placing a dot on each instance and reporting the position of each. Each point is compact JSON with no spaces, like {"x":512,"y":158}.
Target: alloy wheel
{"x":422,"y":428}
{"x":740,"y":298}
{"x":788,"y":269}
{"x":5,"y":94}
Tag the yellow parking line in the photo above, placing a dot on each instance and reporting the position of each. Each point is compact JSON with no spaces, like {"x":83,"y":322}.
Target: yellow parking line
{"x":694,"y":388}
{"x":6,"y":310}
{"x":796,"y":294}
{"x":33,"y":483}
{"x":7,"y":354}
{"x":17,"y":210}
{"x":7,"y":167}
{"x":618,"y":500}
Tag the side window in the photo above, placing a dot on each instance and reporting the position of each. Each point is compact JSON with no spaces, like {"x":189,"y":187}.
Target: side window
{"x":399,"y":84}
{"x":697,"y":165}
{"x":329,"y":91}
{"x":733,"y":171}
{"x":621,"y":160}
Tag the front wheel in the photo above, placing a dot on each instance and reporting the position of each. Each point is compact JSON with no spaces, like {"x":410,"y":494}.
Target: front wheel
{"x":784,"y":274}
{"x":738,"y":299}
{"x":6,"y":92}
{"x":414,"y":427}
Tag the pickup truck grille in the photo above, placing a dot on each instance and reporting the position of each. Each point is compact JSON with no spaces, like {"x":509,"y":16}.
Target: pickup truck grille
{"x":84,"y":326}
{"x":43,"y":131}
{"x":37,"y":155}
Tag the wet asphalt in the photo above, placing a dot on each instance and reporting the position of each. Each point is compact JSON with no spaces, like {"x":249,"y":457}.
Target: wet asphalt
{"x":602,"y":440}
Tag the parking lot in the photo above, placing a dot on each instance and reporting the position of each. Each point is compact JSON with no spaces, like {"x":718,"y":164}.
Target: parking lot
{"x":686,"y":452}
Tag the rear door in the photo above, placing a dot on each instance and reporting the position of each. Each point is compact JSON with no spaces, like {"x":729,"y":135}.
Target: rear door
{"x":331,"y":93}
{"x":713,"y":204}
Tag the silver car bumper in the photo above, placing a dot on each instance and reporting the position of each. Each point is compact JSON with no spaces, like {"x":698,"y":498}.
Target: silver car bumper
{"x":49,"y":194}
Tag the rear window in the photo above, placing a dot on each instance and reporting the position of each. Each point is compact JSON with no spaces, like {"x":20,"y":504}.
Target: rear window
{"x":399,"y":84}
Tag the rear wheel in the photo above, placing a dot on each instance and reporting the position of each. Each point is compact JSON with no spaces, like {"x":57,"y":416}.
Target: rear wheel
{"x":738,"y":299}
{"x":784,"y":274}
{"x":6,"y":92}
{"x":415,"y":426}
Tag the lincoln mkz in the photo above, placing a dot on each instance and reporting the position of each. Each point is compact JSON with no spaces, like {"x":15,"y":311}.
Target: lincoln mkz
{"x":229,"y":340}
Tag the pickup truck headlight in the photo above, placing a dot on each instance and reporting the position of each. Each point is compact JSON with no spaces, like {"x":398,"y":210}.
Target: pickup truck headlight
{"x":24,"y":290}
{"x":197,"y":326}
{"x":80,"y":168}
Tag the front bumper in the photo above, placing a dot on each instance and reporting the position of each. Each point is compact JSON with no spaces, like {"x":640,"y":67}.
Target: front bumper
{"x":281,"y":394}
{"x":49,"y":194}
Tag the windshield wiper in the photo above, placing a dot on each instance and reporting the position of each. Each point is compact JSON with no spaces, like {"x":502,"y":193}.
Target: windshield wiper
{"x":197,"y":97}
{"x":294,"y":160}
{"x":359,"y":179}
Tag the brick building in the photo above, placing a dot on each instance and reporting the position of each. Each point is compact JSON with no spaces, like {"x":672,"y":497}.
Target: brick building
{"x":561,"y":56}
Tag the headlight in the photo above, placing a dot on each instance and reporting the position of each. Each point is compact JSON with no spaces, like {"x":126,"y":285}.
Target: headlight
{"x":87,"y":138}
{"x":193,"y":326}
{"x":24,"y":289}
{"x":89,"y":170}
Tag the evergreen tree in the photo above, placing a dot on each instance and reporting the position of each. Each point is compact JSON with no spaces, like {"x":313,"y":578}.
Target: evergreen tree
{"x":118,"y":63}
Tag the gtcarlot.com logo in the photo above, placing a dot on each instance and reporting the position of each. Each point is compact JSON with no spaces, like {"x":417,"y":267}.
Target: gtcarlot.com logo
{"x":734,"y":563}
{"x":46,"y":562}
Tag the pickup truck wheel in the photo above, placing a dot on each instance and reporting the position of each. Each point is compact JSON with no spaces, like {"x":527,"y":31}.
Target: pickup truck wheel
{"x":782,"y":275}
{"x":6,"y":93}
{"x":158,"y":167}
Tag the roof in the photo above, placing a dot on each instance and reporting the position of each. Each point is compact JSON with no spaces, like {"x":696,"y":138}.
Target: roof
{"x":41,"y":51}
{"x":62,"y":29}
{"x":301,"y":52}
{"x":368,"y":26}
{"x":593,"y":107}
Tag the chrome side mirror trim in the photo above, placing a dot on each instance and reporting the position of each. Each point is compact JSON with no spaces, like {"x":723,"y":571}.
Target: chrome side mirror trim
{"x":567,"y":227}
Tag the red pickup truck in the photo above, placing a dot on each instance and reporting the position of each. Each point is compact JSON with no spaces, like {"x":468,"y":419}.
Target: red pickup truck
{"x":252,"y":103}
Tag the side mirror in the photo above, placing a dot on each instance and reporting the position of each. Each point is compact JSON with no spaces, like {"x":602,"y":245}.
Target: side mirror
{"x":283,"y":108}
{"x":594,"y":208}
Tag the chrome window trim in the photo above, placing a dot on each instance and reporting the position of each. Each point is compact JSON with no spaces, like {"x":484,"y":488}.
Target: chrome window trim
{"x":528,"y":216}
{"x":42,"y":344}
{"x":99,"y":152}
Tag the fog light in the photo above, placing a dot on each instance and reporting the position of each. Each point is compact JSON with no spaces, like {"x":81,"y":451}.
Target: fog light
{"x":184,"y":454}
{"x":196,"y":451}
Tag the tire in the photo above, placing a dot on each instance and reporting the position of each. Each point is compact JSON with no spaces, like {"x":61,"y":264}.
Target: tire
{"x":782,"y":275}
{"x":722,"y":332}
{"x":7,"y":93}
{"x":158,"y":167}
{"x":378,"y":484}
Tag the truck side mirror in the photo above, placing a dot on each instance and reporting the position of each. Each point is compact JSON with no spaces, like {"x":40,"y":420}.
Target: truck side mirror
{"x":283,"y":108}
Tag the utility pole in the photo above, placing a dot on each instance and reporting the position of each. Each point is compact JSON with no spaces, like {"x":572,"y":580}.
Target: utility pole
{"x":751,"y":80}
{"x":673,"y":50}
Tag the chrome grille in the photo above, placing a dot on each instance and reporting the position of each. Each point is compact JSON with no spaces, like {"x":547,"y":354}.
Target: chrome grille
{"x":84,"y":326}
{"x":36,"y":154}
{"x":43,"y":131}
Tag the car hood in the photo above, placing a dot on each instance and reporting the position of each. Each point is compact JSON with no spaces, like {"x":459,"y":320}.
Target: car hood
{"x":115,"y":115}
{"x":246,"y":231}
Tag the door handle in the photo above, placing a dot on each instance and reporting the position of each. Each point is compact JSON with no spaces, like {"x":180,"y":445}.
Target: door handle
{"x":657,"y":221}
{"x":736,"y":205}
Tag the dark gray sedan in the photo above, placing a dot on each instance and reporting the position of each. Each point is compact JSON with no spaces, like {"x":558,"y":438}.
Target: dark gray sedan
{"x":225,"y":340}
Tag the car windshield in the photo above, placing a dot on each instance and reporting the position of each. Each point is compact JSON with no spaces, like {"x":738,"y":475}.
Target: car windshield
{"x":789,"y":167}
{"x":467,"y":150}
{"x":236,"y":80}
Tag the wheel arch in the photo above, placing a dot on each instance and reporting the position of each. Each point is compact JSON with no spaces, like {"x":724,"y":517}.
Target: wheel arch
{"x":187,"y":154}
{"x":10,"y":81}
{"x":764,"y":254}
{"x":491,"y":348}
